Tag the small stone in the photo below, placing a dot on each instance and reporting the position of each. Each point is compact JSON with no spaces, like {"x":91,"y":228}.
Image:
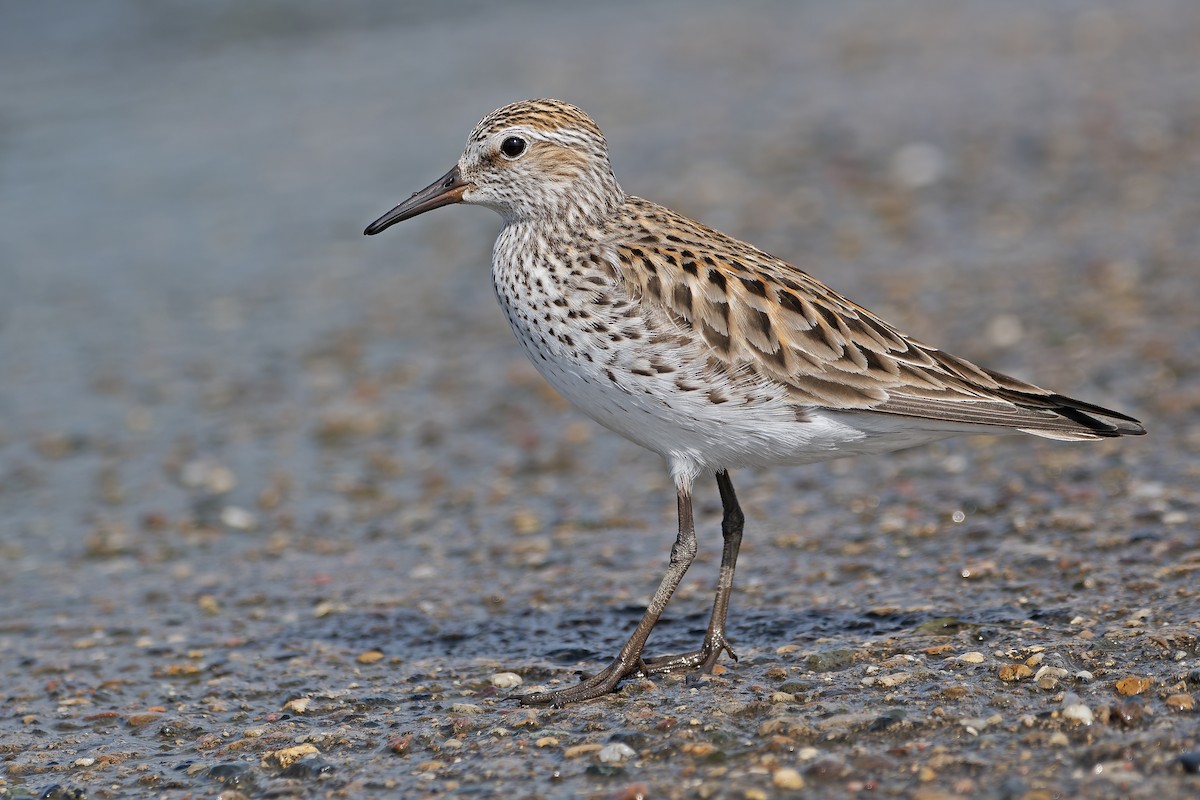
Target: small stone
{"x":973,"y":725}
{"x":1181,"y":702}
{"x":1190,"y":761}
{"x":547,"y":741}
{"x":754,"y":794}
{"x":297,"y":705}
{"x":1125,"y":714}
{"x":1075,"y":709}
{"x":326,"y":607}
{"x":1010,"y":673}
{"x":238,"y":518}
{"x":506,"y":680}
{"x":582,"y":750}
{"x":86,"y":761}
{"x":894,"y":679}
{"x":209,"y":604}
{"x":228,"y":772}
{"x":1059,"y":739}
{"x":782,"y":697}
{"x":144,"y":718}
{"x":1048,"y":677}
{"x":972,"y":657}
{"x":287,"y":756}
{"x":634,"y":791}
{"x":212,"y":477}
{"x":370,"y":657}
{"x":615,"y":753}
{"x":787,"y":778}
{"x":830,"y":660}
{"x":1084,"y":676}
{"x":698,"y":749}
{"x":465,"y":708}
{"x":525,"y":521}
{"x":1133,"y":685}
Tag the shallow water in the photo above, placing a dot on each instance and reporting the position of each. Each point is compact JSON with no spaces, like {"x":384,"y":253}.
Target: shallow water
{"x":266,"y":483}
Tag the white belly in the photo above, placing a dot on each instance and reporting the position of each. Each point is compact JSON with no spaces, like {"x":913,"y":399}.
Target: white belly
{"x":756,"y":426}
{"x":655,"y":384}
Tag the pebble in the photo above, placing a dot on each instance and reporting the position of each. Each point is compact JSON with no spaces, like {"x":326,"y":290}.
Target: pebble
{"x":1190,"y":762}
{"x":506,"y":680}
{"x":575,"y":751}
{"x":209,"y":604}
{"x":287,"y":756}
{"x":1049,"y":677}
{"x":830,"y":660}
{"x":297,"y":705}
{"x":787,"y":778}
{"x":698,"y":749}
{"x":973,"y":725}
{"x":465,"y":708}
{"x":238,"y":518}
{"x":972,"y":657}
{"x":888,"y":681}
{"x":212,"y":477}
{"x":1133,"y":685}
{"x":1125,"y":714}
{"x":1014,"y":672}
{"x":616,"y":752}
{"x":143,"y":718}
{"x":230,"y":773}
{"x":370,"y":657}
{"x":634,"y":791}
{"x":1181,"y":702}
{"x":1075,"y":709}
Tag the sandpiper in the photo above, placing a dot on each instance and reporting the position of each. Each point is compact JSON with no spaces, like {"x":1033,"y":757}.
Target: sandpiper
{"x":702,"y":348}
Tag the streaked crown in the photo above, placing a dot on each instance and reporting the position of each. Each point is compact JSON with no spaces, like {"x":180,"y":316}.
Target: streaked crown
{"x":540,"y":160}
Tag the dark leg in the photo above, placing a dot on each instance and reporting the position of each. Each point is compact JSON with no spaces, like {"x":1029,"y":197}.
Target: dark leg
{"x":629,"y":660}
{"x":714,"y":638}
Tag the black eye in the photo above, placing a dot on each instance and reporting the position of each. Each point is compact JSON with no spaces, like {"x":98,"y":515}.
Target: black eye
{"x":513,"y":146}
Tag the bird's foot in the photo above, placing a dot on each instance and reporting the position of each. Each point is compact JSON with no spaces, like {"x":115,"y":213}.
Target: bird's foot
{"x":702,"y":660}
{"x":589,"y":687}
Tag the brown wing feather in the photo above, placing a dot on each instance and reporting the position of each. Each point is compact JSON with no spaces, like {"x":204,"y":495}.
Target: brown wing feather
{"x":758,"y":312}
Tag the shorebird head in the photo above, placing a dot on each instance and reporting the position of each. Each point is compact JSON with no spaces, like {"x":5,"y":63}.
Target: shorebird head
{"x":537,"y":160}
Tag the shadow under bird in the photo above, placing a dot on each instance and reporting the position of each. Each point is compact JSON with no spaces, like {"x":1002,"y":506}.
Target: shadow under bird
{"x":702,"y":348}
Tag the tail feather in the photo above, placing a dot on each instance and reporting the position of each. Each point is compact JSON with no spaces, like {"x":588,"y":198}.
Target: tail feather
{"x":1096,"y":422}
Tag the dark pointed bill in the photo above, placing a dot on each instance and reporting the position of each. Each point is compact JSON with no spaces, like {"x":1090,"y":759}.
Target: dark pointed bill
{"x":442,"y":192}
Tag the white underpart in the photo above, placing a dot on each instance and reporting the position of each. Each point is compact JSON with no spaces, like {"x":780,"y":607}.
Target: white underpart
{"x":757,"y":425}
